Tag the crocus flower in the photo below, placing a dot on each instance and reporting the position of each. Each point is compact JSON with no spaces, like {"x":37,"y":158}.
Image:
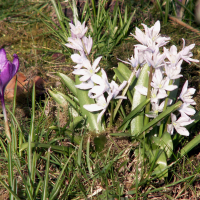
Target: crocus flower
{"x":7,"y":71}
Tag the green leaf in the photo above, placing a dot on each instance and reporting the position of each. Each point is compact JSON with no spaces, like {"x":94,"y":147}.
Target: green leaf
{"x":165,"y":143}
{"x":62,"y":99}
{"x":9,"y":189}
{"x":160,"y":117}
{"x":45,"y":188}
{"x":189,"y":146}
{"x":69,"y":83}
{"x":161,"y":162}
{"x":59,"y":181}
{"x":41,"y":145}
{"x":132,"y":114}
{"x":91,"y":117}
{"x":137,"y":122}
{"x":100,"y":142}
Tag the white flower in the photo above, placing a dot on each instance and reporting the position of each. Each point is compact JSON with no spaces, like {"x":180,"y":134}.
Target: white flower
{"x":162,"y":84}
{"x":156,"y":59}
{"x":79,"y":29}
{"x":185,"y":53}
{"x":184,"y":120}
{"x":115,"y":89}
{"x":89,"y":71}
{"x":75,"y":43}
{"x":151,"y":39}
{"x":155,"y":93}
{"x":79,"y":60}
{"x":136,"y":60}
{"x":103,"y":85}
{"x":101,"y":104}
{"x":85,"y":85}
{"x":186,"y":94}
{"x":156,"y":109}
{"x":88,"y":42}
{"x":172,"y":55}
{"x":186,"y":109}
{"x":173,"y":72}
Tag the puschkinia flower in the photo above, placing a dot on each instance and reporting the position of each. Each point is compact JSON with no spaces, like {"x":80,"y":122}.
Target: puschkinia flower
{"x":89,"y":71}
{"x":186,"y":94}
{"x":186,"y":109}
{"x":79,"y":29}
{"x":155,"y":110}
{"x":155,"y":59}
{"x":136,"y":60}
{"x":80,"y":44}
{"x":158,"y":82}
{"x":155,"y":93}
{"x":115,"y":89}
{"x":101,"y":87}
{"x":151,"y":38}
{"x":101,"y":104}
{"x":172,"y":55}
{"x":79,"y":59}
{"x":179,"y":124}
{"x":173,"y":72}
{"x":185,"y":53}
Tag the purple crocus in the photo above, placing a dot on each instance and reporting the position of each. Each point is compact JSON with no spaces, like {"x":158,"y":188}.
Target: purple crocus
{"x":7,"y":71}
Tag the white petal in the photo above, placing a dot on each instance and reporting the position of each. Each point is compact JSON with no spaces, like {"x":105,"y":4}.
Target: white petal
{"x":141,"y":89}
{"x":93,"y":107}
{"x":182,"y":131}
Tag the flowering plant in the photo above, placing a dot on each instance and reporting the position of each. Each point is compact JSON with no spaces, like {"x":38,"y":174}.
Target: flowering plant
{"x":152,"y":84}
{"x":7,"y":71}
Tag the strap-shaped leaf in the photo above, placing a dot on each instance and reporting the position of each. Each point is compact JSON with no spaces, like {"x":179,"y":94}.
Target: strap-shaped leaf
{"x":62,"y":99}
{"x":189,"y":146}
{"x":165,"y":143}
{"x":68,"y":82}
{"x":91,"y":117}
{"x":137,"y":122}
{"x":160,"y":117}
{"x":132,"y":114}
{"x":161,"y":162}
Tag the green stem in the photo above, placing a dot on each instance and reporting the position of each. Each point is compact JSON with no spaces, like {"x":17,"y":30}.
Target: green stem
{"x":111,"y":113}
{"x":7,"y":129}
{"x":165,"y":106}
{"x":147,"y":109}
{"x":124,"y":92}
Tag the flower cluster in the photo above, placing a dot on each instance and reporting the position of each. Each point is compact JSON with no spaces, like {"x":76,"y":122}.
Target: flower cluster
{"x":166,"y":68}
{"x":97,"y":85}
